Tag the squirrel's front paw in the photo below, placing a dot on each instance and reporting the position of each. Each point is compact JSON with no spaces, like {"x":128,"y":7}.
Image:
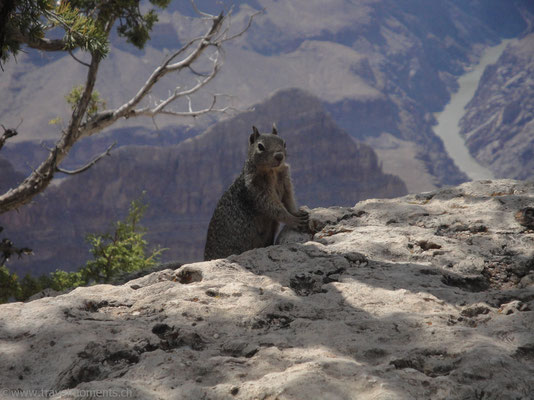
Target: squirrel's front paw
{"x":302,"y":212}
{"x":303,"y":218}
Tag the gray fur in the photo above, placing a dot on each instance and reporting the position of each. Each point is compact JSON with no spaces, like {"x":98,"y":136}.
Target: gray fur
{"x":249,"y":213}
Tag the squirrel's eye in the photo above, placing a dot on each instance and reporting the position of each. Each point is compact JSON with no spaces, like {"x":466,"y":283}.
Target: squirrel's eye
{"x":261,"y":147}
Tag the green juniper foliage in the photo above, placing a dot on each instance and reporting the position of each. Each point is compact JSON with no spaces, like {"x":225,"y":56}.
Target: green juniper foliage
{"x":80,"y":30}
{"x":63,"y":25}
{"x":95,"y":104}
{"x":84,"y":24}
{"x":9,"y":285}
{"x":29,"y":285}
{"x":123,"y":250}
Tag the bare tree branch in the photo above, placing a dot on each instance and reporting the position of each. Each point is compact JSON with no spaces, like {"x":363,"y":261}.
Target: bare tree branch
{"x":77,"y":59}
{"x":88,"y":165}
{"x":7,"y":250}
{"x":127,"y":110}
{"x":246,"y":28}
{"x":8,"y":133}
{"x":191,"y":113}
{"x":177,"y":94}
{"x":82,"y":126}
{"x":41,"y":177}
{"x":44,"y":44}
{"x":209,"y":16}
{"x":195,"y":72}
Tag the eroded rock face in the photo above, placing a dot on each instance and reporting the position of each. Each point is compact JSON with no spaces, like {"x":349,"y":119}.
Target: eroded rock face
{"x":425,"y":296}
{"x":184,"y":182}
{"x":498,"y":124}
{"x":9,"y":178}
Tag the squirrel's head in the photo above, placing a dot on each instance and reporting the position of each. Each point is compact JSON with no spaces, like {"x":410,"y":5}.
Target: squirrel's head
{"x":266,"y":150}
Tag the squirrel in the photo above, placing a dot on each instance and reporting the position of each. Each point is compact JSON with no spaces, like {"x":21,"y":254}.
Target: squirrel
{"x":250,"y":211}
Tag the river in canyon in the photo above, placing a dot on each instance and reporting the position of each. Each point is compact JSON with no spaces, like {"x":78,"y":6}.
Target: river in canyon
{"x":448,"y":120}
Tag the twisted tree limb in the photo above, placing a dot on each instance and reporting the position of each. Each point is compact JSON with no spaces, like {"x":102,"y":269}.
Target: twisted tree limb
{"x":8,"y":133}
{"x":127,"y":110}
{"x":88,"y":165}
{"x":41,"y":177}
{"x":81,"y":125}
{"x":43,"y":43}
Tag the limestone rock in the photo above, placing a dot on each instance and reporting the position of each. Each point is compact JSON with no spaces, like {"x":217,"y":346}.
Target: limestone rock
{"x":498,"y":124}
{"x":402,"y":298}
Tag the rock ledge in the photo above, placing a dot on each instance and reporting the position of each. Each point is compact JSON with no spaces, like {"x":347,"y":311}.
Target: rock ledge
{"x":424,"y":296}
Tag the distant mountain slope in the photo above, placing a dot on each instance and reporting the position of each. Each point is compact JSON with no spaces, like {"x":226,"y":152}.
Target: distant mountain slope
{"x":183,"y":183}
{"x":9,"y":177}
{"x":26,"y":155}
{"x":381,"y":66}
{"x":499,"y":122}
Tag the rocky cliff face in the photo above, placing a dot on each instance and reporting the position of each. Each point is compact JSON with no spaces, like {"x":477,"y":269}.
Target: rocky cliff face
{"x":184,"y":182}
{"x":381,"y":66}
{"x":9,"y":177}
{"x":499,"y":122}
{"x":24,"y":156}
{"x":428,"y":296}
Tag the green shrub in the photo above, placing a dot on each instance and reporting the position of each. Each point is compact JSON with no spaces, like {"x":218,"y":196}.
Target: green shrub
{"x":123,"y":250}
{"x":9,"y":285}
{"x":29,"y":286}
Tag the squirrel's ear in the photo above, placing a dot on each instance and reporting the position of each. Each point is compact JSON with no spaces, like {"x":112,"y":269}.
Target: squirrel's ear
{"x":275,"y":132}
{"x":254,"y":135}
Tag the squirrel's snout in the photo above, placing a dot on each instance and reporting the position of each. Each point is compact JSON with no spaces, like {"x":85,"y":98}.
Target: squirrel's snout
{"x":279,"y":157}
